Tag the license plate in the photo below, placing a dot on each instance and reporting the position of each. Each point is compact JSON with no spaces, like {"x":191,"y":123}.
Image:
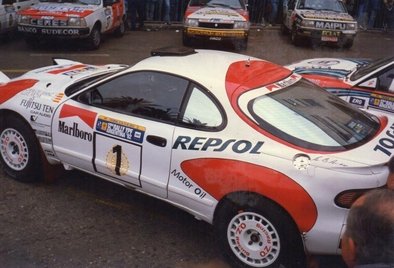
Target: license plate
{"x":329,"y":38}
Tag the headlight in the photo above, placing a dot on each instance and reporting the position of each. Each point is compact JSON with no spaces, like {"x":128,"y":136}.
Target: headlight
{"x":79,"y":22}
{"x":24,"y":19}
{"x":307,"y":23}
{"x":241,"y":25}
{"x":351,"y":26}
{"x":191,"y":22}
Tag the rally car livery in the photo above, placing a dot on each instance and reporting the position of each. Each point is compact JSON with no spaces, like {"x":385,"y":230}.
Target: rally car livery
{"x":270,"y":159}
{"x":320,"y":21}
{"x":8,"y":16}
{"x":364,"y":83}
{"x":82,"y":19}
{"x":217,"y":20}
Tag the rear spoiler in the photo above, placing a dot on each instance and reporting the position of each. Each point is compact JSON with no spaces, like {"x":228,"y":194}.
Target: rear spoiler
{"x":3,"y":78}
{"x":60,"y":61}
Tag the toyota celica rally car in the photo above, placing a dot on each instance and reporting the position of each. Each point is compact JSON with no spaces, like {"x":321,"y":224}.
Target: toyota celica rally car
{"x":364,"y":83}
{"x":270,"y":159}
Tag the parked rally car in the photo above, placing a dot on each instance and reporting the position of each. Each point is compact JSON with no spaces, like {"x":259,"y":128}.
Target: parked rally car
{"x":321,"y":21}
{"x":267,"y":157}
{"x":8,"y":15}
{"x":362,"y":82}
{"x":72,"y":19}
{"x":217,"y":20}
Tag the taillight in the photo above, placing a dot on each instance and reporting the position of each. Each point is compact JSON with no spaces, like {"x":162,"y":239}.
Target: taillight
{"x":346,"y":198}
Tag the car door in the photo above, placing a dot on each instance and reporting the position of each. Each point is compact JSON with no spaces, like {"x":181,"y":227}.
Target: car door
{"x":381,"y":90}
{"x":122,"y":129}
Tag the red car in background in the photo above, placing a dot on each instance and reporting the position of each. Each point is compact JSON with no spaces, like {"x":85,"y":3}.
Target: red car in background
{"x":217,"y":20}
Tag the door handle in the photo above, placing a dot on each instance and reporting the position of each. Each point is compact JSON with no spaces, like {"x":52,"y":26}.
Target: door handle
{"x":156,"y":140}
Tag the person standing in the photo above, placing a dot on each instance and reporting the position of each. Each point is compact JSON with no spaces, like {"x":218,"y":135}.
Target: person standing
{"x":362,"y":13}
{"x":136,"y":11}
{"x":368,"y":241}
{"x":274,"y":4}
{"x":388,"y":15}
{"x":374,"y":7}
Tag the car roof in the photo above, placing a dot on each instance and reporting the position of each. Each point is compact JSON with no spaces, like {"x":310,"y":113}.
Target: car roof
{"x":216,"y":69}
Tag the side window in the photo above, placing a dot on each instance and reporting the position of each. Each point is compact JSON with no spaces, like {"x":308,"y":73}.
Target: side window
{"x":386,"y":81}
{"x":201,"y":111}
{"x":148,"y":94}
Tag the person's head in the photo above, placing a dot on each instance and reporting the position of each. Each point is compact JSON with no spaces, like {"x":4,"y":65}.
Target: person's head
{"x":369,"y":235}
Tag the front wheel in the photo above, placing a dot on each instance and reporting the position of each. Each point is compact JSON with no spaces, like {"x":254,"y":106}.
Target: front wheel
{"x":255,"y":232}
{"x":94,"y":39}
{"x":19,"y":150}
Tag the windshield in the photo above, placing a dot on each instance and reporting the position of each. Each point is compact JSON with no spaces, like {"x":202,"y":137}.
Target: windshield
{"x":370,"y":67}
{"x":327,"y":5}
{"x":80,"y":2}
{"x":308,"y":116}
{"x":234,"y":4}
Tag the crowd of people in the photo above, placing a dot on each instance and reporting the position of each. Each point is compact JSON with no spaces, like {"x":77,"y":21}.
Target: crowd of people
{"x":370,"y":14}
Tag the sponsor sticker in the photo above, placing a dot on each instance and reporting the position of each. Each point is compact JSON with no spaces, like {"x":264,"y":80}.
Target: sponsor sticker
{"x":120,"y":129}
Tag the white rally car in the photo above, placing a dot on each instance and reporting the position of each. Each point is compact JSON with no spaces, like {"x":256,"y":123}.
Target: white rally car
{"x":364,"y":83}
{"x":270,"y":159}
{"x":217,"y":20}
{"x":72,"y":19}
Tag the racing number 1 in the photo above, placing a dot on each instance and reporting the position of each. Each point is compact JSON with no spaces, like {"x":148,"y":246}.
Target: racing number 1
{"x":117,"y":149}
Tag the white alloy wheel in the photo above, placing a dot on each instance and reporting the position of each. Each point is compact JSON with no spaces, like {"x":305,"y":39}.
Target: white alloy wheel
{"x":14,"y":149}
{"x":253,"y":239}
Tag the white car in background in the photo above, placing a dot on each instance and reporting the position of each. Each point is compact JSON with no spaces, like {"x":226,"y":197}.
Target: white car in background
{"x":8,"y":13}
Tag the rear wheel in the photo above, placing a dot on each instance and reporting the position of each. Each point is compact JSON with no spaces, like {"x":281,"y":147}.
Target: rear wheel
{"x":119,"y":32}
{"x":255,"y":232}
{"x":19,"y":150}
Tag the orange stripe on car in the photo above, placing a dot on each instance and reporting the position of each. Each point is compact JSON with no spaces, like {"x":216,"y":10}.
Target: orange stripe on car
{"x":62,"y":70}
{"x":9,"y":90}
{"x":87,"y":116}
{"x":220,"y":177}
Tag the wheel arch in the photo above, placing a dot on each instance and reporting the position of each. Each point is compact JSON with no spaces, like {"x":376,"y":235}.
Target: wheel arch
{"x":50,"y":172}
{"x":227,"y":177}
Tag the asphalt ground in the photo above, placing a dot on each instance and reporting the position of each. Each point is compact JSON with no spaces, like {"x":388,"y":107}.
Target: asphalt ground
{"x":81,"y":221}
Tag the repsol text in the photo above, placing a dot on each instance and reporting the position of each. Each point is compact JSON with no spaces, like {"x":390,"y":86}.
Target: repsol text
{"x":217,"y":145}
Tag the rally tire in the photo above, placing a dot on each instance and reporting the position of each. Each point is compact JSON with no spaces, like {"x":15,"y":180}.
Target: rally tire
{"x":253,"y":231}
{"x":20,"y":155}
{"x":94,"y":39}
{"x":186,"y":40}
{"x":295,"y":38}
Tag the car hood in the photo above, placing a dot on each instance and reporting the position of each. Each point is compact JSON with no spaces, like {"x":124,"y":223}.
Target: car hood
{"x":60,"y":10}
{"x":325,"y":15}
{"x":216,"y":14}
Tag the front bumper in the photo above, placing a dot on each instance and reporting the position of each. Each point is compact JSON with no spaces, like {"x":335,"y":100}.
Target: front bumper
{"x":63,"y":32}
{"x":215,"y":34}
{"x":327,"y":35}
